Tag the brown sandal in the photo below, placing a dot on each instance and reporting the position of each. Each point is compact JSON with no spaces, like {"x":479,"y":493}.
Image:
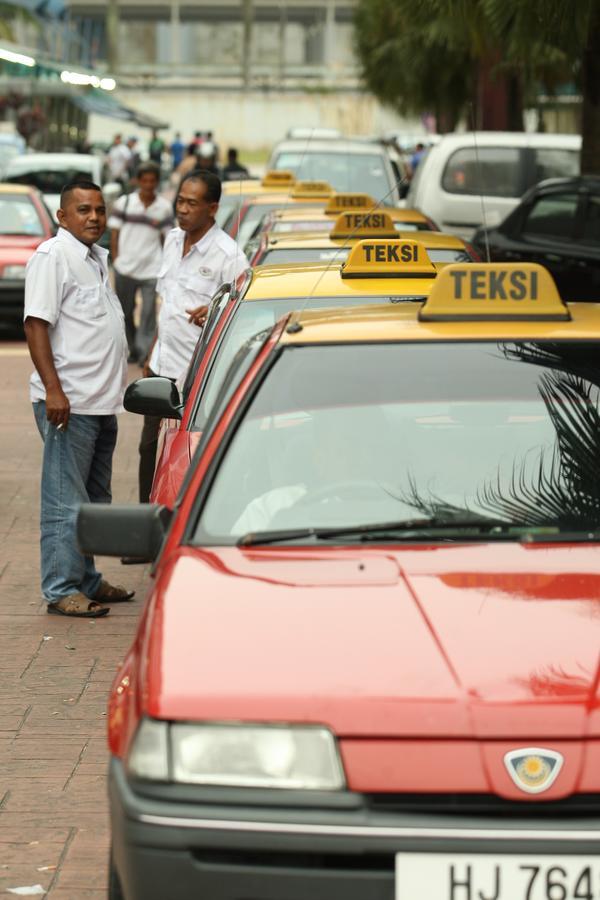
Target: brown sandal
{"x":112,"y":593}
{"x":79,"y":606}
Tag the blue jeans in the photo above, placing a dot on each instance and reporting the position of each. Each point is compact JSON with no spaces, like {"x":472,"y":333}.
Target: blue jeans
{"x":76,"y":469}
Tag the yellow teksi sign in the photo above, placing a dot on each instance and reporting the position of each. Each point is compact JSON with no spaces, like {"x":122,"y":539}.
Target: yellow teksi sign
{"x":364,"y":225}
{"x":278,"y":178}
{"x":318,"y":189}
{"x":339,"y":202}
{"x":388,"y":259}
{"x":496,"y":291}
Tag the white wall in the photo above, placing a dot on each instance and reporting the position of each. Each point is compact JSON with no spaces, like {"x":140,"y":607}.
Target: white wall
{"x":255,"y":120}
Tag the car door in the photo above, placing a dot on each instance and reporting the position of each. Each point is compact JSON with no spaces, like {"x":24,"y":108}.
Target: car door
{"x":547,"y":235}
{"x":586,"y":258}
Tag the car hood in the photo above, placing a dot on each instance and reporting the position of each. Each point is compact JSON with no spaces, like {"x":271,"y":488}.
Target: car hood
{"x":471,"y":641}
{"x":16,"y":249}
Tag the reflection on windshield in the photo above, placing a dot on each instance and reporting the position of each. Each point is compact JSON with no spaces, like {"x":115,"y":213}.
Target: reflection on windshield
{"x":363,"y":172}
{"x":352,"y":435}
{"x":18,"y":215}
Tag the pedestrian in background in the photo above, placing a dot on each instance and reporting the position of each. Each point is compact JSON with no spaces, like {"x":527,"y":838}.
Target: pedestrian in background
{"x":118,"y":161}
{"x":187,"y":165}
{"x":234,"y":169}
{"x":177,"y":150}
{"x":140,"y":221}
{"x":76,"y":337}
{"x":198,"y":258}
{"x":156,"y":148}
{"x":134,"y":157}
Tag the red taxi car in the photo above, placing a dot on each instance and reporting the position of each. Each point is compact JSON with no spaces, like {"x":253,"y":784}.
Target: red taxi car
{"x":260,"y":298}
{"x":24,"y":224}
{"x":367,"y":668}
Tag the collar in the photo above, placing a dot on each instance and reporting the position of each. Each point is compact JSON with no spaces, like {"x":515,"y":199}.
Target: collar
{"x":82,"y":249}
{"x":202,"y":243}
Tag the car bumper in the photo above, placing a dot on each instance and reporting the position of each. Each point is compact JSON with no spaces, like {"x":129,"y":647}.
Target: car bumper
{"x":336,"y":849}
{"x":12,"y":301}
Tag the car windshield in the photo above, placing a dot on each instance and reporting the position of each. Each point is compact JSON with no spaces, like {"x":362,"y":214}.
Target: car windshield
{"x":253,"y":316}
{"x":363,"y":172}
{"x":352,"y":436}
{"x":51,"y":181}
{"x":288,"y":225}
{"x":19,"y":216}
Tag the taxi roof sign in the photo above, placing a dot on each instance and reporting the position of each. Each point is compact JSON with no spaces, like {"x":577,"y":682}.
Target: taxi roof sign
{"x":340,"y":202}
{"x":278,"y":178}
{"x":318,"y":189}
{"x":364,"y":225}
{"x":388,"y":259}
{"x":494,"y":291}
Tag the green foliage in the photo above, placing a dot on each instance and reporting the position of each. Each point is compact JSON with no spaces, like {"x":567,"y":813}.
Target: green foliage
{"x":8,"y":15}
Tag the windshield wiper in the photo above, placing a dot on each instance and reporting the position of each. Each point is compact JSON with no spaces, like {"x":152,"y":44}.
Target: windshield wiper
{"x":377,"y":531}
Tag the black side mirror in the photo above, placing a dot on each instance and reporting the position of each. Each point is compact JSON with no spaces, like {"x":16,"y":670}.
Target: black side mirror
{"x":154,"y":396}
{"x":122,"y":530}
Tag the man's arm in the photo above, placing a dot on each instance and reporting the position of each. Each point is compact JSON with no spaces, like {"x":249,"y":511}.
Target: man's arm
{"x":146,"y":365}
{"x":58,"y":407}
{"x":114,"y":244}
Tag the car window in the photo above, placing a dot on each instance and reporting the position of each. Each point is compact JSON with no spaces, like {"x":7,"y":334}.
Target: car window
{"x":352,"y":435}
{"x":554,"y":162}
{"x":552,"y":216}
{"x":286,"y":226}
{"x":591,"y":224}
{"x":18,"y":215}
{"x":363,"y":172}
{"x":489,"y":171}
{"x":51,"y":181}
{"x":217,"y":305}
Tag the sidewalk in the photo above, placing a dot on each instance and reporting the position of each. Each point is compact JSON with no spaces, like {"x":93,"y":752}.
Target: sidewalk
{"x":55,"y":674}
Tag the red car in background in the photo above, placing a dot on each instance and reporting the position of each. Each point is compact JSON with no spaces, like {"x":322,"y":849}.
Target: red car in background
{"x":25,"y":223}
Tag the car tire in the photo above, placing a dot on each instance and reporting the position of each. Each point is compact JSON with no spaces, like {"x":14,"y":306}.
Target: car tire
{"x":115,"y":892}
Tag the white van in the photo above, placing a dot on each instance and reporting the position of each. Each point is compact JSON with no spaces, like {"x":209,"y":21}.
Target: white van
{"x":471,"y":177}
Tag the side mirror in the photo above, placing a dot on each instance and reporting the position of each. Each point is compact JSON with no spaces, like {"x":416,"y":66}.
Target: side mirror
{"x":155,"y":396}
{"x":122,"y":530}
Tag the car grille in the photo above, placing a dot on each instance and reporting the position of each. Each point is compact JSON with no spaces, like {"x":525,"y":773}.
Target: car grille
{"x":578,"y":805}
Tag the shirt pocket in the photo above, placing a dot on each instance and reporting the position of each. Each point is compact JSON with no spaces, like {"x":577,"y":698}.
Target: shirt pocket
{"x":91,"y":302}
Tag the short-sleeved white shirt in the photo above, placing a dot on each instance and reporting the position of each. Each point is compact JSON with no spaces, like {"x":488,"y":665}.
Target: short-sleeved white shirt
{"x":141,"y":229}
{"x":118,"y":160}
{"x":67,"y":285}
{"x":186,"y":282}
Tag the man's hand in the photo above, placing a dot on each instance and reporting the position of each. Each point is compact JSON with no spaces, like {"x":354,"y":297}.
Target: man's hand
{"x":146,"y":370}
{"x":197,"y":316}
{"x":58,"y":408}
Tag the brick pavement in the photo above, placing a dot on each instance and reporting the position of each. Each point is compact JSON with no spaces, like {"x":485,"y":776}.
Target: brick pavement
{"x":55,"y":674}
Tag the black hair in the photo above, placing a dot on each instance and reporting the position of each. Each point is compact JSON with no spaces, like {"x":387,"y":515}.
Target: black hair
{"x":212,"y":182}
{"x":148,"y":168}
{"x":82,"y":184}
{"x":232,"y":153}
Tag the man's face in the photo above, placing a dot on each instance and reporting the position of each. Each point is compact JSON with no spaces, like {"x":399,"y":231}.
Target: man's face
{"x":193,"y":210}
{"x":147,"y":184}
{"x":84,"y":215}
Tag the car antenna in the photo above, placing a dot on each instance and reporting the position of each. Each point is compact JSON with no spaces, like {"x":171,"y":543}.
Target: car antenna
{"x":480,"y":179}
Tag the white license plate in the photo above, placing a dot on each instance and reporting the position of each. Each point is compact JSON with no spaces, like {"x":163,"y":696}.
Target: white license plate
{"x":454,"y":876}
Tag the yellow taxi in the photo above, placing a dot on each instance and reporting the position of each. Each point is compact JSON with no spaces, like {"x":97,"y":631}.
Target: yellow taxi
{"x":234,"y":193}
{"x":387,"y":547}
{"x":245,"y":217}
{"x":391,"y":272}
{"x":348,"y":229}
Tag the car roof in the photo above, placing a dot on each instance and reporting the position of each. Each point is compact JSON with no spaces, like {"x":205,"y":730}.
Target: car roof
{"x":509,"y":139}
{"x":30,"y":161}
{"x":323,"y":239}
{"x":385,"y":324}
{"x":398,"y":214}
{"x":17,"y":189}
{"x":330,"y":145}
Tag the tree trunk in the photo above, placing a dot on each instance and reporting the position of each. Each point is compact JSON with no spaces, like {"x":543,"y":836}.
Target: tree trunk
{"x":499,"y":99}
{"x":590,"y":116}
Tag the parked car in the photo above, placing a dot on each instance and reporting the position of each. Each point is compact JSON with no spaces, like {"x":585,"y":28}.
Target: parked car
{"x":557,"y":223}
{"x":348,"y":165}
{"x":468,"y":177}
{"x":10,"y":145}
{"x":25,"y":223}
{"x":49,"y":172}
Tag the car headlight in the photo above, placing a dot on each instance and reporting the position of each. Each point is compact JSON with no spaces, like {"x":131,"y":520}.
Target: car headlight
{"x":13,"y":272}
{"x":302,"y":757}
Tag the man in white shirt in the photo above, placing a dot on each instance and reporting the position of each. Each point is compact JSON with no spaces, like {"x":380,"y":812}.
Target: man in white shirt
{"x":76,"y":337}
{"x":139,"y":222}
{"x":118,"y":159}
{"x":198,"y":257}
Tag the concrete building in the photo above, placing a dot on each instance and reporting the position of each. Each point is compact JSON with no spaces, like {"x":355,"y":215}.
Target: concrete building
{"x":246,"y":69}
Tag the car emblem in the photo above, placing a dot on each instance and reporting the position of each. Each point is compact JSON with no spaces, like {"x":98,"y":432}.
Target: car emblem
{"x":532,"y":769}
